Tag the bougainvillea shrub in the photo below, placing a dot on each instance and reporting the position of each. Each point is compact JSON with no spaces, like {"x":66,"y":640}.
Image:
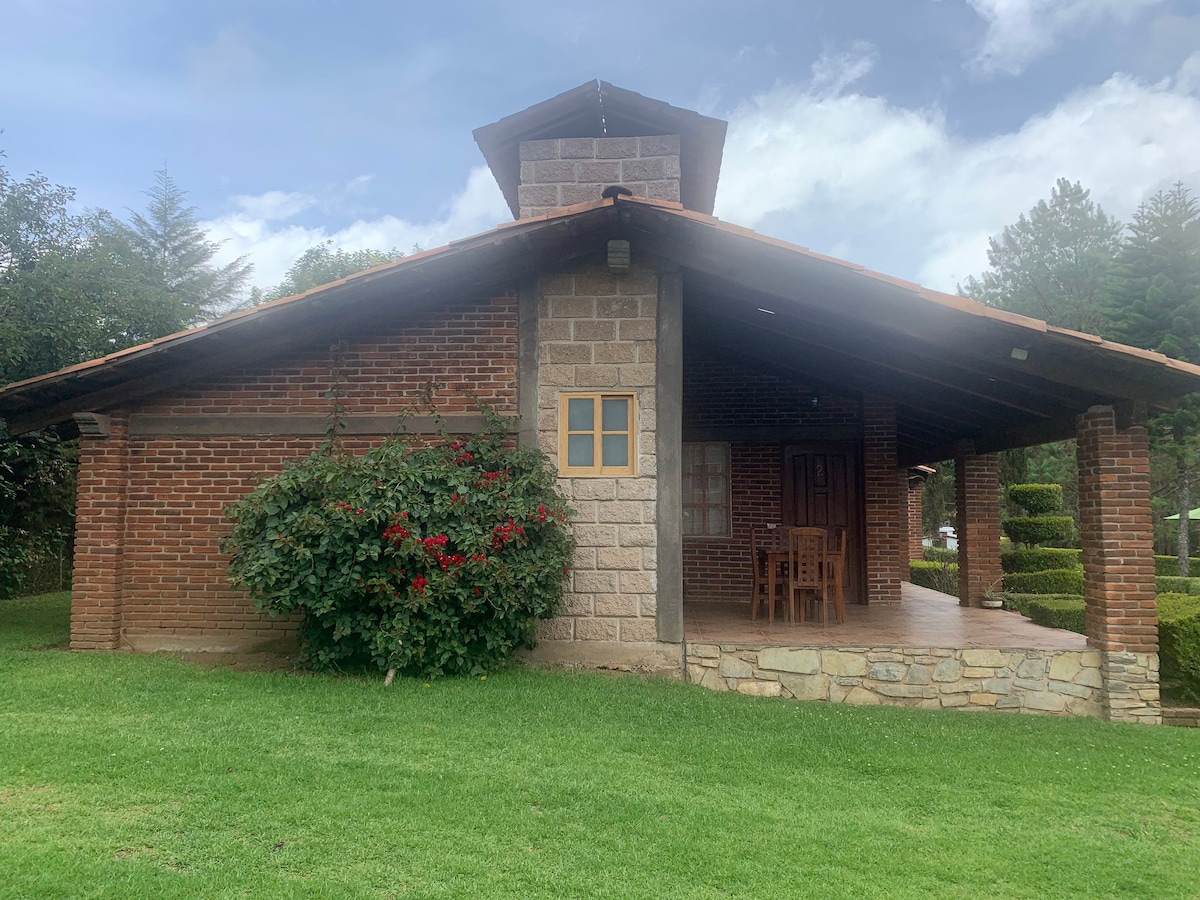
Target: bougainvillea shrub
{"x":427,"y":559}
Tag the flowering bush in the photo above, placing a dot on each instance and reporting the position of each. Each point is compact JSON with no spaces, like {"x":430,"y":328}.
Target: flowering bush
{"x":423,"y":559}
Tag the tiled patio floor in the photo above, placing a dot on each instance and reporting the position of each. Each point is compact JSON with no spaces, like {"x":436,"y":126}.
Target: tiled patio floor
{"x":924,"y":618}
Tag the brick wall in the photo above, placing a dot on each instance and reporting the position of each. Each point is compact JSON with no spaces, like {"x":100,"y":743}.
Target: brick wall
{"x":597,"y":331}
{"x":886,"y":538}
{"x":916,"y":546}
{"x":564,"y":171}
{"x":720,"y":393}
{"x":152,"y":508}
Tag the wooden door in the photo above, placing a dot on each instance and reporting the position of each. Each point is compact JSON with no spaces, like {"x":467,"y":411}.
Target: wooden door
{"x":820,"y":488}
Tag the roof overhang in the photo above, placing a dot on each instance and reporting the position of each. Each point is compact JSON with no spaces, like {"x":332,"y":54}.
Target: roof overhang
{"x":956,"y":370}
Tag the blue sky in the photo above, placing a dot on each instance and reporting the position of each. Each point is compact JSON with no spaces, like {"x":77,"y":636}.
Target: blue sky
{"x":896,"y":133}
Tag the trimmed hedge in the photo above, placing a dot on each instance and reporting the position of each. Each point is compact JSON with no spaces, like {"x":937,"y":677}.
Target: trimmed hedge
{"x":1174,"y":584}
{"x":1022,"y":602}
{"x":1048,"y":581}
{"x":1039,"y":559}
{"x":942,"y":555}
{"x":1169,"y":565}
{"x":1179,"y":641}
{"x":1037,"y":499}
{"x":938,"y":576}
{"x":1038,"y":529}
{"x":1060,"y":612}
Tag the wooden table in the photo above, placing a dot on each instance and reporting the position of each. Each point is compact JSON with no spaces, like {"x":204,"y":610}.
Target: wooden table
{"x":778,"y":556}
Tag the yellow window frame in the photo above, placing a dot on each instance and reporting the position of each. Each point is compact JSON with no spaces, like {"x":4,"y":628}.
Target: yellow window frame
{"x":598,"y":433}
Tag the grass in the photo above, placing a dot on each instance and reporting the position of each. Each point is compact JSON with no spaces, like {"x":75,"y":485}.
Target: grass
{"x":125,"y":776}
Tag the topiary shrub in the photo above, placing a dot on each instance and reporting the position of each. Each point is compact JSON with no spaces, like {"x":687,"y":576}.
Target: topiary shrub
{"x":1179,"y":641}
{"x":1022,"y":602}
{"x":935,"y":575}
{"x":1175,"y":584}
{"x":432,"y":559}
{"x":1037,"y":499}
{"x":1048,"y":581}
{"x":1037,"y":559}
{"x":940,"y":555}
{"x":1169,"y":565}
{"x":1038,"y":529}
{"x":1067,"y":613}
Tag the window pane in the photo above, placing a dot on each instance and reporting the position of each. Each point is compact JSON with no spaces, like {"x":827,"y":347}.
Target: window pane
{"x":718,"y":521}
{"x":581,"y":415}
{"x":580,"y":449}
{"x":714,"y":456}
{"x":693,"y":490}
{"x":615,"y":449}
{"x":693,"y":522}
{"x":615,"y":416}
{"x":693,"y":458}
{"x":716,"y":490}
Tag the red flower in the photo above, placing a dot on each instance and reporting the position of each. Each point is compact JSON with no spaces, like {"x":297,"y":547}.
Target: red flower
{"x":419,"y":584}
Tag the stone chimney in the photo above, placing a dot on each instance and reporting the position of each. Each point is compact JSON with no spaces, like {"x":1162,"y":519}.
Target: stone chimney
{"x":571,"y":148}
{"x":564,"y":171}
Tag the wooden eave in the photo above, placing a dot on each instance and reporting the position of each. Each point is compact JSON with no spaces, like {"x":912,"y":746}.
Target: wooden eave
{"x":947,"y":362}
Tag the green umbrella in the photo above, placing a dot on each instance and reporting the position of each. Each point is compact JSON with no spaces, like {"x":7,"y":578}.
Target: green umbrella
{"x":1192,"y":514}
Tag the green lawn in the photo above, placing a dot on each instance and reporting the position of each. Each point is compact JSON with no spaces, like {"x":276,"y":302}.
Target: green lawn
{"x":124,"y":776}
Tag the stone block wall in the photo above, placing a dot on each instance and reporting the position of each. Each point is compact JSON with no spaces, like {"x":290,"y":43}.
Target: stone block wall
{"x":565,"y":171}
{"x":1058,"y":682}
{"x":597,"y":332}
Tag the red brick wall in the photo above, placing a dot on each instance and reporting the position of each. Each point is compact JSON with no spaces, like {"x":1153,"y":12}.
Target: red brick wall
{"x":916,"y":546}
{"x":887,"y":544}
{"x":1116,"y":533}
{"x":720,"y":393}
{"x":152,"y":513}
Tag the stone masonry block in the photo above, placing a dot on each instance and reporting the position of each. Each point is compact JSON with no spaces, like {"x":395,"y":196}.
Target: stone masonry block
{"x":636,"y":329}
{"x":553,"y":171}
{"x":614,"y":351}
{"x":596,"y":535}
{"x":597,"y":582}
{"x":638,"y":582}
{"x":667,"y":189}
{"x":637,"y":489}
{"x":975,"y":657}
{"x":560,"y":629}
{"x":573,"y":353}
{"x":555,"y":330}
{"x":598,"y":172}
{"x":616,"y":148}
{"x":639,"y":630}
{"x":637,"y":535}
{"x":658,"y":145}
{"x":596,"y":629}
{"x":558,"y":375}
{"x":642,"y":169}
{"x":596,"y":376}
{"x":784,"y":659}
{"x":570,"y":194}
{"x":620,"y":511}
{"x":608,"y":307}
{"x":616,"y":605}
{"x":619,"y":558}
{"x":577,"y":148}
{"x":582,"y":307}
{"x":648,"y":606}
{"x":593,"y":330}
{"x":594,"y":489}
{"x":537,"y":195}
{"x":533,"y":150}
{"x":637,"y":375}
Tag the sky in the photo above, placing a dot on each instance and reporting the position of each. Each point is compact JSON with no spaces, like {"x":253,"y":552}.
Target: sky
{"x":899,"y":134}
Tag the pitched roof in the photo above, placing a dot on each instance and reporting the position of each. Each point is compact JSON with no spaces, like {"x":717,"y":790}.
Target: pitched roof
{"x":957,"y":369}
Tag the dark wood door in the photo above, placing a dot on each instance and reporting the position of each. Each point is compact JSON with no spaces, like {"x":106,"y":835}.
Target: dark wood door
{"x":820,"y":488}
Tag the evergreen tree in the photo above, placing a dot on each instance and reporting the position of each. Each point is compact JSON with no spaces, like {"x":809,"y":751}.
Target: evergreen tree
{"x":1154,"y":298}
{"x":1052,"y":263}
{"x":181,"y":256}
{"x":322,"y":264}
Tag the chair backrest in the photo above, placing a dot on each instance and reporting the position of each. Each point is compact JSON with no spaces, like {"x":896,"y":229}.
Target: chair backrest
{"x":806,"y":557}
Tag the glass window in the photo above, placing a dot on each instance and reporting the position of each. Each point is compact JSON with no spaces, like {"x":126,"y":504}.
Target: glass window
{"x":596,"y":441}
{"x":706,"y":503}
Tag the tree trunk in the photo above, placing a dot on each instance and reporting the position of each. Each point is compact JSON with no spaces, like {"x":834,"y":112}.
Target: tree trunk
{"x":1185,"y":507}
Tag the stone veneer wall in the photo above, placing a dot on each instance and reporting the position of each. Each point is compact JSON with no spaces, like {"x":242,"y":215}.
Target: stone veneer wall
{"x":565,"y":171}
{"x":1063,"y":682}
{"x":597,"y":332}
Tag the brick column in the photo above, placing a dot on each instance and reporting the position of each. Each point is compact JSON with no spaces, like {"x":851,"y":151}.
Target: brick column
{"x":977,"y":504}
{"x":1118,"y":562}
{"x":905,"y":518}
{"x":100,"y":533}
{"x":885,"y":546}
{"x":916,"y":545}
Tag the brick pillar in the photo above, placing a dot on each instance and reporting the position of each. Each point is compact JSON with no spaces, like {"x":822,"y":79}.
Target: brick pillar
{"x":905,"y":519}
{"x":99,"y":533}
{"x":977,"y":504}
{"x":1118,"y":562}
{"x":885,"y":546}
{"x":916,"y":545}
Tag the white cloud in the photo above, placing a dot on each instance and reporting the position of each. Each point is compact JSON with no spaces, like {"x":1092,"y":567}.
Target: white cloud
{"x":258,"y":230}
{"x":228,"y":59}
{"x":1019,"y":31}
{"x":920,"y":202}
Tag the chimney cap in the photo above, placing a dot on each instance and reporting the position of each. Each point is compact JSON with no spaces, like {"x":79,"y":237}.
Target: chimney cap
{"x":600,"y":109}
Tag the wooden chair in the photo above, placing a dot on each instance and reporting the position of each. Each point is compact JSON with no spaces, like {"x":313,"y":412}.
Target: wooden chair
{"x":762,"y":541}
{"x":808,"y":571}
